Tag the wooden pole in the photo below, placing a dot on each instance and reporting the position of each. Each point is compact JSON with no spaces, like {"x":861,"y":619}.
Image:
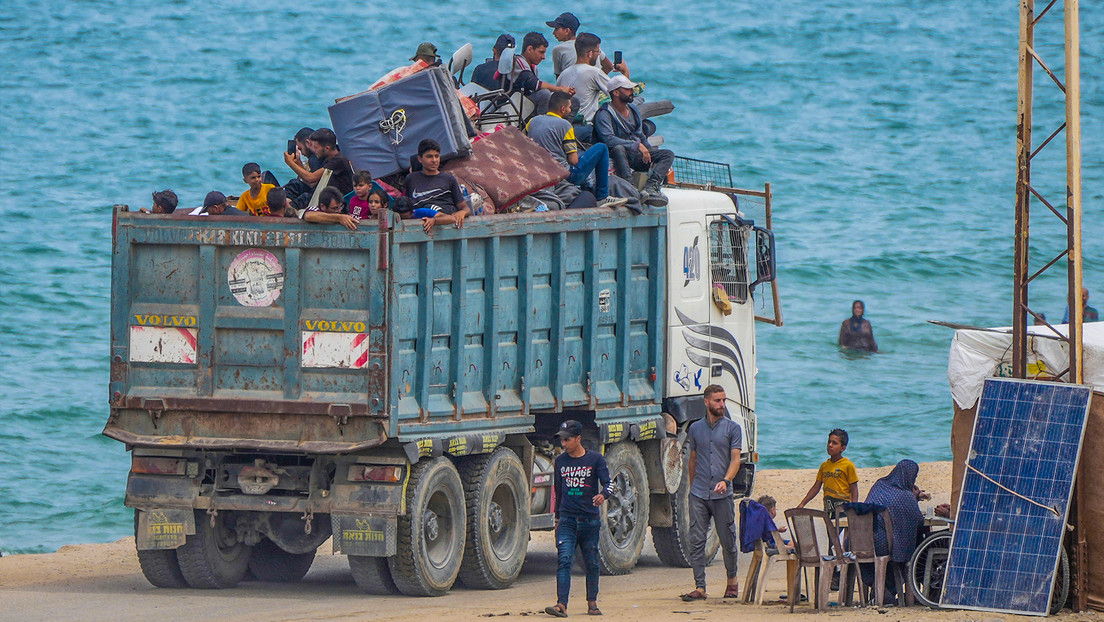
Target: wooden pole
{"x":1073,"y":215}
{"x":1023,"y":194}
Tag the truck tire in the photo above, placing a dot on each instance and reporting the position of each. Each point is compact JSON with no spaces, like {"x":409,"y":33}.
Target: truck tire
{"x":275,"y":565}
{"x":625,"y":513}
{"x":159,"y":566}
{"x":496,"y":493}
{"x":213,"y":558}
{"x":372,"y":575}
{"x":430,"y":543}
{"x":672,"y":544}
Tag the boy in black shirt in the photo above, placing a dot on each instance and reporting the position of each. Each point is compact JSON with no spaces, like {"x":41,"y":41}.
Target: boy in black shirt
{"x":435,"y":192}
{"x":582,"y":483}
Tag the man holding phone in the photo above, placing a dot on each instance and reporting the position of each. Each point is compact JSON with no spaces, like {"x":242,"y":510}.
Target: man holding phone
{"x":564,"y":29}
{"x":589,"y":81}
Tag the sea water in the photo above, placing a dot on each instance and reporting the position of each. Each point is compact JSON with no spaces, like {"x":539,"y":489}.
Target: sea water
{"x":886,"y":129}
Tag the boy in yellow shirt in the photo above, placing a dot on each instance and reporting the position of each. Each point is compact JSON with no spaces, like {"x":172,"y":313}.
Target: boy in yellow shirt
{"x":837,"y":475}
{"x":255,"y":199}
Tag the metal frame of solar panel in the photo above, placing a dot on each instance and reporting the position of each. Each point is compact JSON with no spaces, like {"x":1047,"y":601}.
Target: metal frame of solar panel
{"x":1005,"y":549}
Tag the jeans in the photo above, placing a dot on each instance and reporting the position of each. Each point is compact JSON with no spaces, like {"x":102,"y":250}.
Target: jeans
{"x":595,"y":159}
{"x":626,"y":160}
{"x":723,"y":513}
{"x":582,"y":532}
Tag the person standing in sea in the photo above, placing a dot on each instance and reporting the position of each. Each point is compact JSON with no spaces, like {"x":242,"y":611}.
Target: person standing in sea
{"x":856,"y":332}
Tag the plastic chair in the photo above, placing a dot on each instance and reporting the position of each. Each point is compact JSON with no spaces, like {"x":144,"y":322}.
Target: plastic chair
{"x":460,"y":60}
{"x":804,"y":522}
{"x":860,"y":533}
{"x":761,"y":561}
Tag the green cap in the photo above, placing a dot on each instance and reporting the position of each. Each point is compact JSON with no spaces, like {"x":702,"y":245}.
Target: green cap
{"x":426,"y":49}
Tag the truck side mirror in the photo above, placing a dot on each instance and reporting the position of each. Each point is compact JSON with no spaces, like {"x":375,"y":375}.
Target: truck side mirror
{"x":765,"y":268}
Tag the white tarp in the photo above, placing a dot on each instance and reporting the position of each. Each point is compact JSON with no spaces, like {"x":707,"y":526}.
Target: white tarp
{"x":977,"y":355}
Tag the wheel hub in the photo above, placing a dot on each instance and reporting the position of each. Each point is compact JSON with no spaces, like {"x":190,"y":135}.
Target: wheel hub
{"x":494,"y":519}
{"x":621,"y":516}
{"x":432,"y":526}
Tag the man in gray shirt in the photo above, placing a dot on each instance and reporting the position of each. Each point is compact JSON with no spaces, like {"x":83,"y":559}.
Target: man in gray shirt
{"x":589,"y":82}
{"x":715,"y":444}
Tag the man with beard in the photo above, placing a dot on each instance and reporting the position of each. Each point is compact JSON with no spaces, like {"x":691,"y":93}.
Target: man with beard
{"x":620,"y":126}
{"x":715,"y":443}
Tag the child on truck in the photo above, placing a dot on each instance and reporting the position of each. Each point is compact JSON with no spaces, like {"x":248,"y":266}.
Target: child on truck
{"x":360,"y":203}
{"x":255,"y":199}
{"x":837,"y":475}
{"x":434,"y":191}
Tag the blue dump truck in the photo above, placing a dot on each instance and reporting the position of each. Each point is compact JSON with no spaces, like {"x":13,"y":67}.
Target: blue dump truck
{"x":280,"y":383}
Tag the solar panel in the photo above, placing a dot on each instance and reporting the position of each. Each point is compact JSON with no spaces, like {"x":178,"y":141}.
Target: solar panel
{"x":1015,"y":496}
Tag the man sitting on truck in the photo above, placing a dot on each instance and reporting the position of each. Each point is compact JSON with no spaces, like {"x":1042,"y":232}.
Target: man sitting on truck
{"x":523,"y":78}
{"x":330,"y":210}
{"x":589,"y":82}
{"x":484,"y":74}
{"x":324,"y":142}
{"x":620,"y":126}
{"x":436,"y":195}
{"x":554,"y":132}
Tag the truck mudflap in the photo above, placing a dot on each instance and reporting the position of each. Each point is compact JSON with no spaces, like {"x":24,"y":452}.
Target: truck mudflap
{"x":164,"y":528}
{"x":339,"y":432}
{"x":371,"y":536}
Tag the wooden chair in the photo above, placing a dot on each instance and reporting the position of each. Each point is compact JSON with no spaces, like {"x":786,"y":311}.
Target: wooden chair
{"x":860,"y":532}
{"x":804,"y":523}
{"x":761,"y":561}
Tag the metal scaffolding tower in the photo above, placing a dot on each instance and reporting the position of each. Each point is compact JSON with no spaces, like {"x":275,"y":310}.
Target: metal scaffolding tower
{"x":1071,"y":90}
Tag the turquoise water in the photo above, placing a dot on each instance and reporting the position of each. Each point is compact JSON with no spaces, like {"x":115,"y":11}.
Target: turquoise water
{"x":887,"y":130}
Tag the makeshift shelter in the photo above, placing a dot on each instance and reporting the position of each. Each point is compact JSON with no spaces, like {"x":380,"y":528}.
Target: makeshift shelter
{"x":978,"y":354}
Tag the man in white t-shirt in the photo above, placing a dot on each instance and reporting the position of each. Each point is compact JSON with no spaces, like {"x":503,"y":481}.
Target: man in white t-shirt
{"x":589,"y":81}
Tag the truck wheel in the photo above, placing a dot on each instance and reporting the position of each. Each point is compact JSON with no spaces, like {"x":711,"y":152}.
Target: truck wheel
{"x":431,"y":535}
{"x":626,"y":511}
{"x":272,"y":563}
{"x":159,"y":565}
{"x":497,"y":496}
{"x":213,"y":557}
{"x":372,"y":575}
{"x":672,"y":544}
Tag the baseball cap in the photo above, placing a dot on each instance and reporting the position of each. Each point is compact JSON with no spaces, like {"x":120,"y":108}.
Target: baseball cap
{"x":570,"y":429}
{"x":214,"y":197}
{"x":620,"y":82}
{"x":504,"y":41}
{"x":567,"y":20}
{"x":426,"y":49}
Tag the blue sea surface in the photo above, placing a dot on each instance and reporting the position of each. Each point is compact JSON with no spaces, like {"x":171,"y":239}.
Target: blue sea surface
{"x":887,"y":131}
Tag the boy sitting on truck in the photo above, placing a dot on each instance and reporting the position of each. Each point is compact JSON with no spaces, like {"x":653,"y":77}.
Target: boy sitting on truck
{"x":255,"y":199}
{"x":434,"y":190}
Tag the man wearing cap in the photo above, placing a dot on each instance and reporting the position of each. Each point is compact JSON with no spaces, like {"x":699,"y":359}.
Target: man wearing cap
{"x":564,"y":28}
{"x":619,"y":124}
{"x":484,"y":74}
{"x":581,"y":484}
{"x":214,"y":204}
{"x":427,"y":52}
{"x":715,"y":443}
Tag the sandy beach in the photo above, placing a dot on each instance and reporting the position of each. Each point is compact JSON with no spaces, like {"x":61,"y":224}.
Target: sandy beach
{"x":103,"y":582}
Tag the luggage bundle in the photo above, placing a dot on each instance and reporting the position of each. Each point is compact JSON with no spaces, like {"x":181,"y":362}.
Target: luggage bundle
{"x":379,"y":130}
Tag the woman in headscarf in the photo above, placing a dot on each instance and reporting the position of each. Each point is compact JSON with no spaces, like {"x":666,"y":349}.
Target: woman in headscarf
{"x":897,"y":492}
{"x":856,"y":332}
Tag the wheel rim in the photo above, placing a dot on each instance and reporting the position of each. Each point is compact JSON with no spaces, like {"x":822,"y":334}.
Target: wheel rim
{"x":929,"y":569}
{"x":438,"y":529}
{"x":502,"y":521}
{"x":226,"y":541}
{"x":621,"y":515}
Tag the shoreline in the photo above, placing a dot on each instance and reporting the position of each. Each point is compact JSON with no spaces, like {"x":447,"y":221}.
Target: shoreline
{"x":104,"y":582}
